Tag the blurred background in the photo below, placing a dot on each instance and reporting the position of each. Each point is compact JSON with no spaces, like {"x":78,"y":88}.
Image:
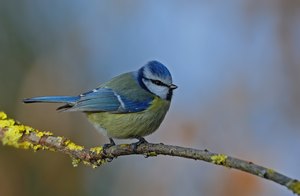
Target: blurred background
{"x":237,"y":65}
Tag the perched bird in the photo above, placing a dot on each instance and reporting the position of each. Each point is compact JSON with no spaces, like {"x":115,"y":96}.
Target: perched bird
{"x":131,"y":105}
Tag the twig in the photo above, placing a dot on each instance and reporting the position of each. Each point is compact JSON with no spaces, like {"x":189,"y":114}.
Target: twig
{"x":14,"y":134}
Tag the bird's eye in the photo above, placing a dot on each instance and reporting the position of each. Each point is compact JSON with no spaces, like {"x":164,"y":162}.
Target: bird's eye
{"x":157,"y":82}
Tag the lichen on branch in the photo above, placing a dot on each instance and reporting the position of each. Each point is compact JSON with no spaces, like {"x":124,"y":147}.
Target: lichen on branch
{"x":14,"y":134}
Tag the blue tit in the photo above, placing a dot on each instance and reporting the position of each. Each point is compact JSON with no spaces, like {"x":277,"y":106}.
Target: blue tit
{"x":131,"y":105}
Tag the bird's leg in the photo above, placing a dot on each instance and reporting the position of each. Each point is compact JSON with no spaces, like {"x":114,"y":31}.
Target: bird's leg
{"x":112,"y":143}
{"x":106,"y":146}
{"x":136,"y":144}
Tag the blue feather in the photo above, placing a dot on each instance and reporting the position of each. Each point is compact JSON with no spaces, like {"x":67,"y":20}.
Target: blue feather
{"x":52,"y":99}
{"x":136,"y":106}
{"x":105,"y":99}
{"x":98,"y":100}
{"x":158,"y":69}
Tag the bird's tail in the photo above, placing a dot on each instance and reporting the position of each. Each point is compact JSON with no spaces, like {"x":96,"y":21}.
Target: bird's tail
{"x":52,"y":99}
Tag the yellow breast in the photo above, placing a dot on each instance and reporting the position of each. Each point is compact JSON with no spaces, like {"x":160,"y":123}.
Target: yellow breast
{"x":131,"y":125}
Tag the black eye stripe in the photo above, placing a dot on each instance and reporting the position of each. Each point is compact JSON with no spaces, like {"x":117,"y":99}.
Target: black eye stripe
{"x":157,"y":82}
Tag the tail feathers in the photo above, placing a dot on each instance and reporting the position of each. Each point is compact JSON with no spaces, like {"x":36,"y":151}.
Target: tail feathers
{"x":52,"y":99}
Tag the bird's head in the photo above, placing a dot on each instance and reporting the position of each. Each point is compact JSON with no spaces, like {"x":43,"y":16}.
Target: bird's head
{"x":156,"y":78}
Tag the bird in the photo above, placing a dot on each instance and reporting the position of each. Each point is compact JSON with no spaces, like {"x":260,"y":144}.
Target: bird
{"x":129,"y":106}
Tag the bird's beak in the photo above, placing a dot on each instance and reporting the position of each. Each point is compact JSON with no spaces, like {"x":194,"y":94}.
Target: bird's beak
{"x":173,"y":86}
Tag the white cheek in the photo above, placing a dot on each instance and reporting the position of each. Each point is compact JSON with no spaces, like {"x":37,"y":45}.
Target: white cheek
{"x":161,"y":91}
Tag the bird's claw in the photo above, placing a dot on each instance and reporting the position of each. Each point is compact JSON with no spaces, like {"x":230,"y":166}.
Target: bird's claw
{"x":136,"y":144}
{"x":110,"y":144}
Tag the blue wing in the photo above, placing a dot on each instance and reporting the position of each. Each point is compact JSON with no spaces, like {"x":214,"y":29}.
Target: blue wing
{"x":105,"y":99}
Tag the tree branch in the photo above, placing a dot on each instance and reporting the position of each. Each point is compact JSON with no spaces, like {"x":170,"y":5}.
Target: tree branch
{"x":15,"y":134}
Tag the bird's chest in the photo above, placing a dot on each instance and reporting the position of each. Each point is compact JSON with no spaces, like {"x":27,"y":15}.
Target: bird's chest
{"x":131,"y":125}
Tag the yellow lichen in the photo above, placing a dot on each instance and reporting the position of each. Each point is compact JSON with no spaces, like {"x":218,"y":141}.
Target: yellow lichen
{"x":294,"y":186}
{"x":99,"y":162}
{"x":87,"y":163}
{"x":219,"y":159}
{"x":124,"y":145}
{"x":12,"y":136}
{"x":3,"y":116}
{"x":26,"y":145}
{"x":75,"y":162}
{"x":6,"y":123}
{"x":48,"y":133}
{"x":37,"y":147}
{"x":42,"y":133}
{"x":39,"y":134}
{"x":72,"y":146}
{"x":150,"y":154}
{"x":28,"y":130}
{"x":96,"y":164}
{"x":14,"y":131}
{"x":97,"y":150}
{"x":270,"y":171}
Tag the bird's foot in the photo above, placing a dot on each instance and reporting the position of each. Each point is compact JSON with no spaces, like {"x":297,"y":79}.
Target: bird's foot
{"x":136,"y":144}
{"x":110,"y":144}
